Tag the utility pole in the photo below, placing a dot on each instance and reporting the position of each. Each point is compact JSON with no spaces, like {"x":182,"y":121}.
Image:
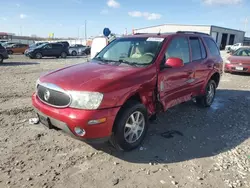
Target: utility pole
{"x":245,"y":24}
{"x":85,"y":31}
{"x":21,"y":30}
{"x":78,"y":32}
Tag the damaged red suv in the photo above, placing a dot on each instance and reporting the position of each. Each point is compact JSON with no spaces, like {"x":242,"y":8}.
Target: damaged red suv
{"x":133,"y":78}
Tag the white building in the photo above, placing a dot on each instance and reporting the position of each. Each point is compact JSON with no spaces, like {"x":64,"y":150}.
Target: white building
{"x":222,"y":36}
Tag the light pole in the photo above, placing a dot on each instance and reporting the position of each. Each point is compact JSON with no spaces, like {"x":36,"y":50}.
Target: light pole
{"x":86,"y":31}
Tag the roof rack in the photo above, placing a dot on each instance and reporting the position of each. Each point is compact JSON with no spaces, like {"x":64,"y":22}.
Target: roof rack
{"x":192,"y":32}
{"x":140,"y":33}
{"x":153,"y":33}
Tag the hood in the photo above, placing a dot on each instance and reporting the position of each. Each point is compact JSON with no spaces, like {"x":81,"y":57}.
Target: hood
{"x":93,"y":77}
{"x":239,"y":59}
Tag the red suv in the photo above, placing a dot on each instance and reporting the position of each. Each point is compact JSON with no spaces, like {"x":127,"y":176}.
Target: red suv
{"x":127,"y":83}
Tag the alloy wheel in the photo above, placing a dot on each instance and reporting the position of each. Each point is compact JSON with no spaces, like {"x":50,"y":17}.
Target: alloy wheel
{"x":210,"y":93}
{"x":134,"y":127}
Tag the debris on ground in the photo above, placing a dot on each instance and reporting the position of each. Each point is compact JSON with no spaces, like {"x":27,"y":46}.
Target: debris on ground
{"x":33,"y":121}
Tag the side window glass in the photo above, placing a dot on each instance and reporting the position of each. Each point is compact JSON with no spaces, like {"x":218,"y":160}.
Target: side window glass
{"x":212,"y":46}
{"x":179,"y":48}
{"x":195,"y":48}
{"x":203,"y":50}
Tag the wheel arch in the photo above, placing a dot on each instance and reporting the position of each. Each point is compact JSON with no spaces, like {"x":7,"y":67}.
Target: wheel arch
{"x":216,"y":77}
{"x":131,"y":99}
{"x":212,"y":76}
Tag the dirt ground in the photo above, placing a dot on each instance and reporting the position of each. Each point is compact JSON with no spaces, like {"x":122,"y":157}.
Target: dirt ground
{"x":187,"y":147}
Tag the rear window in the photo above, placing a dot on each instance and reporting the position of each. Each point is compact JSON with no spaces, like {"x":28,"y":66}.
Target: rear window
{"x":212,"y":46}
{"x":57,"y":45}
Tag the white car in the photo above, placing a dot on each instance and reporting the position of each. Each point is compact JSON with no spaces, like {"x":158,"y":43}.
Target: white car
{"x":97,"y":45}
{"x":234,"y":47}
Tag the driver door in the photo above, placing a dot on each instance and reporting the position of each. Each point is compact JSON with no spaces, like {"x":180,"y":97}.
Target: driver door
{"x":173,"y":82}
{"x":46,"y":51}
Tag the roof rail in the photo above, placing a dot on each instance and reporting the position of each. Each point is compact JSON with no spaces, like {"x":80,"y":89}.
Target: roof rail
{"x":192,"y":32}
{"x":140,"y":33}
{"x":153,"y":33}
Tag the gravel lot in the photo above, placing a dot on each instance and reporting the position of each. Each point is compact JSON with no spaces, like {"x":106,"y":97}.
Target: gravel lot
{"x":187,"y":147}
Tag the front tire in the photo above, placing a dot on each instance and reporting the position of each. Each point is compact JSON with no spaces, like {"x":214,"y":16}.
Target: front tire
{"x":10,"y":52}
{"x":74,"y":53}
{"x":130,"y":126}
{"x":38,"y":55}
{"x":63,"y":55}
{"x":208,"y":98}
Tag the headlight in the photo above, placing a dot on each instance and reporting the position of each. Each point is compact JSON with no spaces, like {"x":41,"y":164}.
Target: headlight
{"x":85,"y":100}
{"x":227,"y":62}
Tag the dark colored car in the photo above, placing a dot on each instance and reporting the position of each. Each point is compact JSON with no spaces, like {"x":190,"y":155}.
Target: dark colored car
{"x":3,"y":53}
{"x":48,"y":50}
{"x":65,"y":43}
{"x":239,"y":61}
{"x":127,"y":83}
{"x":34,"y":45}
{"x":37,"y":44}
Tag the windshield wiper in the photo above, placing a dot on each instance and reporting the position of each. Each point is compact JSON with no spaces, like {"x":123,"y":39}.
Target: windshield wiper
{"x":132,"y":63}
{"x":104,"y":61}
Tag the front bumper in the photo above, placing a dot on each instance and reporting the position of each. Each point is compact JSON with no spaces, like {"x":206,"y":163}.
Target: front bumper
{"x":67,"y":119}
{"x":237,"y":68}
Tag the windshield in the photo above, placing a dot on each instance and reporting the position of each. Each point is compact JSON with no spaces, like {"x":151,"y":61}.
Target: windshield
{"x":131,"y":51}
{"x":32,"y":46}
{"x":242,"y":52}
{"x":41,"y":45}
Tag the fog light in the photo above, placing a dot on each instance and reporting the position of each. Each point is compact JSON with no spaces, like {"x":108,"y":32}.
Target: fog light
{"x":97,"y":121}
{"x":79,"y":131}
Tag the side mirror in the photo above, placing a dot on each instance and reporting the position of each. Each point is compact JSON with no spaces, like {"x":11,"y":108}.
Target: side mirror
{"x":174,"y":62}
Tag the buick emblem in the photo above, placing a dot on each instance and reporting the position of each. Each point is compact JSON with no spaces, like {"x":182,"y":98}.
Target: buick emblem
{"x":46,"y":95}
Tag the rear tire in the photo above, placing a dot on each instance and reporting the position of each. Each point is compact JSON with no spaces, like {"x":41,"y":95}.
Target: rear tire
{"x":130,"y":126}
{"x":63,"y":55}
{"x":208,"y":98}
{"x":1,"y":59}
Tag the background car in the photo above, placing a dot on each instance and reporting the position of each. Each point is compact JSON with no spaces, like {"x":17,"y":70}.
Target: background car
{"x":48,"y":50}
{"x":86,"y":51}
{"x":17,"y":48}
{"x":239,"y":61}
{"x":76,"y":49}
{"x":3,"y":54}
{"x":79,"y":49}
{"x":65,"y":43}
{"x":98,"y":44}
{"x":32,"y":46}
{"x":7,"y":44}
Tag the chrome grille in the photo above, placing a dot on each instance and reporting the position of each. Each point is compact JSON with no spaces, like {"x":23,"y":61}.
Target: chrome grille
{"x":52,"y":95}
